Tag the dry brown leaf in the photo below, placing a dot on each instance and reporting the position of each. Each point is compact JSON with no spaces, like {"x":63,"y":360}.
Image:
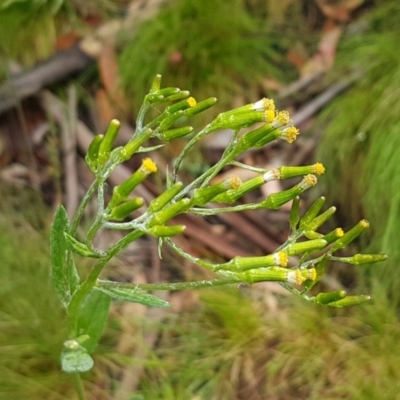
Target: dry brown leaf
{"x":338,"y":10}
{"x":106,"y":110}
{"x":108,"y":66}
{"x":324,"y":59}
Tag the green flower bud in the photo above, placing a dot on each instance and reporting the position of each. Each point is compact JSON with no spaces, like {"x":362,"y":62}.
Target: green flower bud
{"x":311,"y":213}
{"x":168,"y":91}
{"x":302,"y":247}
{"x":351,"y":235}
{"x":359,"y":259}
{"x":164,"y":198}
{"x":152,"y":98}
{"x":231,"y":195}
{"x":134,"y":144}
{"x":260,"y":105}
{"x":334,"y":235}
{"x":289,"y":134}
{"x":201,"y":106}
{"x":156,"y":83}
{"x":351,"y":301}
{"x":202,"y":196}
{"x":166,"y":231}
{"x":170,"y":119}
{"x":121,"y":211}
{"x":161,"y":217}
{"x":276,"y":200}
{"x":249,"y":139}
{"x":237,"y":120}
{"x":107,"y":143}
{"x":286,"y":172}
{"x":182,"y":105}
{"x":326,"y":298}
{"x":320,"y":270}
{"x":321,"y":219}
{"x":172,"y":134}
{"x":313,"y":235}
{"x":92,"y":156}
{"x":178,"y":96}
{"x":121,"y":192}
{"x":295,"y":276}
{"x":238,"y":263}
{"x":294,"y":216}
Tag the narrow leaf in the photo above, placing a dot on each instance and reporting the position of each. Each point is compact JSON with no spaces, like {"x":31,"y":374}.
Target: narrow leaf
{"x":71,"y":274}
{"x":63,"y":272}
{"x":79,"y":248}
{"x":93,"y":317}
{"x":135,"y":296}
{"x":148,"y":149}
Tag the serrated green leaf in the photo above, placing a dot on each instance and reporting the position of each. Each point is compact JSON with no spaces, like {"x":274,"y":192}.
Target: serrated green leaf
{"x":134,"y":296}
{"x":79,"y":248}
{"x":63,"y":271}
{"x":75,"y":358}
{"x":93,"y":317}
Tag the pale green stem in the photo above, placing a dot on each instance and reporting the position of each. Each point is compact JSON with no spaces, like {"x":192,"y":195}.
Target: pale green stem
{"x":142,"y":113}
{"x":214,"y":211}
{"x":186,"y":149}
{"x":248,"y":167}
{"x":170,"y":286}
{"x":79,"y":386}
{"x":189,"y":257}
{"x":83,"y":205}
{"x":87,"y":285}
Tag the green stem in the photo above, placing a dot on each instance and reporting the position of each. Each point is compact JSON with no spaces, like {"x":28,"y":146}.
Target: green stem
{"x":79,"y":386}
{"x":87,"y":285}
{"x":142,"y":113}
{"x":189,"y":257}
{"x":82,"y":206}
{"x":171,"y":286}
{"x":214,"y":211}
{"x":186,"y":149}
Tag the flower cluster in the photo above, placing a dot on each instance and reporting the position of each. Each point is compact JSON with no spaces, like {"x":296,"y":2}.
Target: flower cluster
{"x":298,"y":264}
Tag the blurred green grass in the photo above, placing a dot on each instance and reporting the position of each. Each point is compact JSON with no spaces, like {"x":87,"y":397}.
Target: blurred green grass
{"x":231,"y":345}
{"x":361,"y":138}
{"x":32,"y":324}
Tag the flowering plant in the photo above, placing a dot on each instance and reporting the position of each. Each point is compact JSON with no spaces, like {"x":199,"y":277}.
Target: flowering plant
{"x":87,"y":300}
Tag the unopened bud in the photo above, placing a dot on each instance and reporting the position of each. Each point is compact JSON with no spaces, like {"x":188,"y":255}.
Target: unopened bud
{"x":161,"y":217}
{"x":311,"y":213}
{"x":202,"y":196}
{"x":121,"y":211}
{"x":351,"y":235}
{"x":166,"y":231}
{"x":279,"y":259}
{"x":107,"y":143}
{"x":164,"y":198}
{"x":172,"y":134}
{"x":92,"y":156}
{"x":351,"y":301}
{"x":121,"y":192}
{"x":326,"y":298}
{"x":134,"y":144}
{"x":303,"y":247}
{"x":201,"y":106}
{"x":276,"y":200}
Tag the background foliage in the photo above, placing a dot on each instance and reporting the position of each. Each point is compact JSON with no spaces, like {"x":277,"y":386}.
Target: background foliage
{"x":214,"y":47}
{"x":361,"y":138}
{"x":231,"y":344}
